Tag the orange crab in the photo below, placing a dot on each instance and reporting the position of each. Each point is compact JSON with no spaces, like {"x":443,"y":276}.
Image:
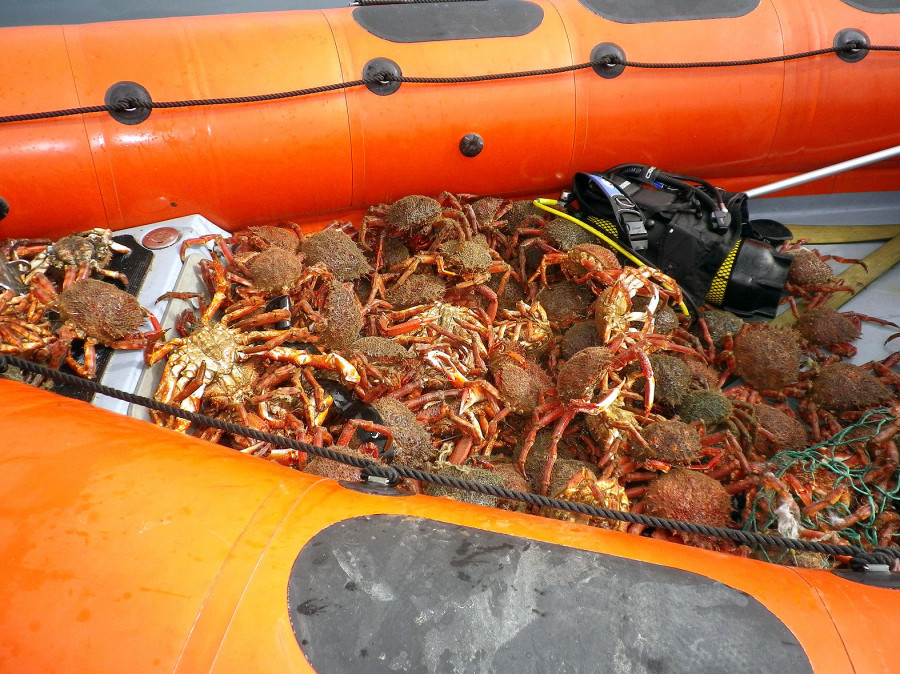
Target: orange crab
{"x":417,"y":219}
{"x":470,"y":261}
{"x":579,"y":380}
{"x":214,"y":351}
{"x":810,"y":277}
{"x":581,"y":263}
{"x":97,"y":313}
{"x":75,"y":256}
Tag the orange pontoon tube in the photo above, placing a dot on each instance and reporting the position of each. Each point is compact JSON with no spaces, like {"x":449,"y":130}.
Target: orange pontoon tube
{"x":130,"y":546}
{"x":320,"y":154}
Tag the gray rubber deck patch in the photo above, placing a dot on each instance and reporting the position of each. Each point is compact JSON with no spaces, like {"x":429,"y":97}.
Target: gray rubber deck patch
{"x":652,"y":11}
{"x":875,"y":6}
{"x":67,"y":12}
{"x":387,"y":593}
{"x":434,"y":22}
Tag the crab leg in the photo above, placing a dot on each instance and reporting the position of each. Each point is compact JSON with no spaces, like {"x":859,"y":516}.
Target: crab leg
{"x":329,"y":361}
{"x":351,"y":426}
{"x":182,"y":386}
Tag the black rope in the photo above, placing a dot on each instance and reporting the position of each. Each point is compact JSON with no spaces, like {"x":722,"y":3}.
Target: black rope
{"x":884,"y":556}
{"x":383,"y":78}
{"x":849,"y":47}
{"x":392,"y":474}
{"x":131,"y":103}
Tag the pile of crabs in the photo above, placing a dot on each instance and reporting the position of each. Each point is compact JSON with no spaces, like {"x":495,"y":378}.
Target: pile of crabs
{"x":495,"y":342}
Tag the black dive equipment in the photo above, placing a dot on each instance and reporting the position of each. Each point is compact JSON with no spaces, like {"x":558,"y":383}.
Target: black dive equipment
{"x":696,"y":233}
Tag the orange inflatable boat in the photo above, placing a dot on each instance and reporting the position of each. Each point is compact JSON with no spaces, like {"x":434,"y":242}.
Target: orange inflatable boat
{"x":126,"y":546}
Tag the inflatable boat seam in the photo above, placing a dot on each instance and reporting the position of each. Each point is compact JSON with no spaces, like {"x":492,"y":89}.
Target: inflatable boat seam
{"x":254,"y":525}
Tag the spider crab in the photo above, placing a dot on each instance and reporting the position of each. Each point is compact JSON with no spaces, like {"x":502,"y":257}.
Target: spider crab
{"x":581,"y":263}
{"x":469,"y":261}
{"x":266,"y":273}
{"x":417,"y":219}
{"x":823,"y":326}
{"x":768,"y":358}
{"x":97,"y":313}
{"x":613,"y":312}
{"x":383,"y":365}
{"x":487,"y":215}
{"x":810,"y":277}
{"x":527,"y":328}
{"x":583,"y":387}
{"x":286,"y":235}
{"x":75,"y":256}
{"x":216,"y":353}
{"x":320,"y":308}
{"x":462,"y":331}
{"x":689,"y":496}
{"x":22,"y":327}
{"x":632,"y":333}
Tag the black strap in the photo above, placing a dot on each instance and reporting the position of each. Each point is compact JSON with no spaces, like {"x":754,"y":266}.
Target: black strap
{"x":601,"y":198}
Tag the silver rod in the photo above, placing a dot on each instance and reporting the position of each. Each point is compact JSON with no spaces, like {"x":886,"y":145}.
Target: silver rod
{"x":881,"y":155}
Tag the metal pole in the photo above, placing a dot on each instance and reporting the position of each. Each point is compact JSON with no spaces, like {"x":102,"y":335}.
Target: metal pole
{"x":824,"y":172}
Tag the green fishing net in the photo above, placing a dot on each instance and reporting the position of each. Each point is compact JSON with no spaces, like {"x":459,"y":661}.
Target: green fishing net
{"x":842,"y":461}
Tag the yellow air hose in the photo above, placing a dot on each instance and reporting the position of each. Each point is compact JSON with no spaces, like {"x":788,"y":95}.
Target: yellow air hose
{"x":546,"y":205}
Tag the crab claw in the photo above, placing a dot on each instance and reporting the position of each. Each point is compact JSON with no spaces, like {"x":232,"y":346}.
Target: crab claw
{"x":182,"y":386}
{"x":328,"y":361}
{"x":474,"y":391}
{"x":596,"y":407}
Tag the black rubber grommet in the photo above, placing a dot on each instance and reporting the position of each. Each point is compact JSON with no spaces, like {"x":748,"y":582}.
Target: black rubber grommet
{"x":471,"y":145}
{"x":374,"y":71}
{"x":4,"y":208}
{"x":126,"y":92}
{"x":608,"y":49}
{"x":374,"y":489}
{"x":851,"y":36}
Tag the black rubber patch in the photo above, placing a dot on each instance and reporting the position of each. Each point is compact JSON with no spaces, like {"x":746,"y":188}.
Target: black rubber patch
{"x":875,"y":6}
{"x":652,"y":11}
{"x":374,"y":489}
{"x":432,"y":22}
{"x":471,"y":145}
{"x":611,"y":70}
{"x":377,"y":68}
{"x":388,"y":593}
{"x":135,"y":266}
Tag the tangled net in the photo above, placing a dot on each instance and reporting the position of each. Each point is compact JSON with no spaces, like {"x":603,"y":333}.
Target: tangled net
{"x":855,"y":503}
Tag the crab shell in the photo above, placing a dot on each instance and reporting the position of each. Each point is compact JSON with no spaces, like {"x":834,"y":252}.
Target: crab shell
{"x":100,"y":311}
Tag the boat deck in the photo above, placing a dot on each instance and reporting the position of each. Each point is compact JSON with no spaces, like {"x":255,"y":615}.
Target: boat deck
{"x":881,"y":298}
